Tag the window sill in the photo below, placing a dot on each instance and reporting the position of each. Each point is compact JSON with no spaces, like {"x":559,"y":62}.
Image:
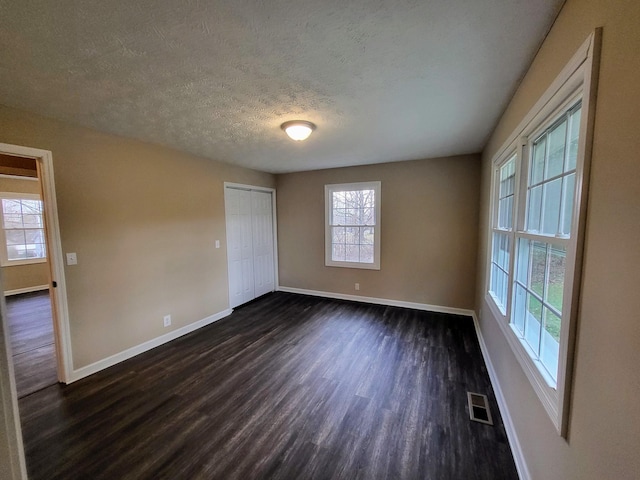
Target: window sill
{"x":362,"y":266}
{"x":17,"y":263}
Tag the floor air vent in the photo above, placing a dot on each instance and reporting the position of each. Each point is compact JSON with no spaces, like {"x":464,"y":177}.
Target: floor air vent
{"x":479,"y":408}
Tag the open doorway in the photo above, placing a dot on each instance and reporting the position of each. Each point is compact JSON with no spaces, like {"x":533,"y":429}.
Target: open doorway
{"x":26,"y":275}
{"x":46,"y":302}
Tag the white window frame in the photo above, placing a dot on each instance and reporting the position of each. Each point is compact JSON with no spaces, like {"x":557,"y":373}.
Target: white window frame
{"x":577,"y":82}
{"x":343,"y":187}
{"x":4,"y":255}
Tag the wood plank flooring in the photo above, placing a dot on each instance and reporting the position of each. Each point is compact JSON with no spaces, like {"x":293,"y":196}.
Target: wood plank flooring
{"x":287,"y":387}
{"x":32,"y":341}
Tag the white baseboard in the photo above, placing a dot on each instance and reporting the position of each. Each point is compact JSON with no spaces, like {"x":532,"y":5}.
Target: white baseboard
{"x":144,"y":347}
{"x":18,"y":291}
{"x":380,"y":301}
{"x":514,"y":443}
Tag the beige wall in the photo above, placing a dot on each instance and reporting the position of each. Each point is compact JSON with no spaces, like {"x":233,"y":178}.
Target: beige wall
{"x":604,"y":430}
{"x":143,"y":221}
{"x":429,"y":231}
{"x":17,"y":277}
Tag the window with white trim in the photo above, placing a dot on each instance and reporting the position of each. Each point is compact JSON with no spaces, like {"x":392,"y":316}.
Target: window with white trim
{"x":502,"y":229}
{"x":539,"y":185}
{"x":22,"y":229}
{"x":352,"y":226}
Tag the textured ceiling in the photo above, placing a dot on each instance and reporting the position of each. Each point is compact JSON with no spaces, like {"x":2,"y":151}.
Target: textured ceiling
{"x":383,"y":80}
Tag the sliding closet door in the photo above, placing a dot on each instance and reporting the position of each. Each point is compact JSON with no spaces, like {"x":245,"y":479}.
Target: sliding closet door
{"x":250,"y":248}
{"x":262,"y":221}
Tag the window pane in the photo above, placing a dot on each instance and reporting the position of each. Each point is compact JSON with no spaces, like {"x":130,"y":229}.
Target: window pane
{"x":338,"y":200}
{"x":519,"y":309}
{"x":369,"y":216}
{"x":338,"y":235}
{"x":507,"y":178}
{"x":501,"y":250}
{"x":557,"y":138}
{"x":552,"y":324}
{"x":533,"y":322}
{"x":34,"y":250}
{"x":366,"y":253}
{"x":535,"y":209}
{"x":569,"y":186}
{"x":537,"y":164}
{"x":550,"y":346}
{"x":352,"y":235}
{"x":353,"y":253}
{"x":503,"y":286}
{"x":11,"y":206}
{"x":493,"y":288}
{"x":16,"y":252}
{"x":12,"y":221}
{"x":32,"y":221}
{"x":34,"y":236}
{"x":338,"y":252}
{"x":505,"y":251}
{"x":505,"y":214}
{"x":15,"y":237}
{"x":522,"y":266}
{"x":368,"y":235}
{"x":574,"y":133}
{"x":31,"y":207}
{"x":555,"y":282}
{"x":538,"y":267}
{"x":339,"y":216}
{"x":551,"y":211}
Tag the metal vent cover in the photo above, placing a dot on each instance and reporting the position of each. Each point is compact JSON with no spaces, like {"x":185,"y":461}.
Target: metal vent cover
{"x":479,"y":408}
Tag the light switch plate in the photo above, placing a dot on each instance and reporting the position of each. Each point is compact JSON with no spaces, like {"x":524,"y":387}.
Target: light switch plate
{"x":72,"y":259}
{"x":217,"y":243}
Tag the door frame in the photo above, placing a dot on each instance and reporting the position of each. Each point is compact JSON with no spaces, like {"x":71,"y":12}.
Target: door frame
{"x":59,"y":305}
{"x":272,"y":191}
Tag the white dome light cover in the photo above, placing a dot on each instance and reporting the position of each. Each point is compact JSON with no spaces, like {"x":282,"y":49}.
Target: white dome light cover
{"x":298,"y":130}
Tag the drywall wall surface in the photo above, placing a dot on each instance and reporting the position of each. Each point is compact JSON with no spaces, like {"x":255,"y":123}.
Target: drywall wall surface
{"x":428,"y":242}
{"x":143,"y":220}
{"x":604,"y":424}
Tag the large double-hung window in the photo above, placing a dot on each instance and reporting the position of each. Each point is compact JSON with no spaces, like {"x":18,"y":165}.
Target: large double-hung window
{"x":537,"y":218}
{"x":352,"y":226}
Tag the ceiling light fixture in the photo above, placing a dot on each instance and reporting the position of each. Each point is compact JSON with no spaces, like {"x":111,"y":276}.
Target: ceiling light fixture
{"x":298,"y":129}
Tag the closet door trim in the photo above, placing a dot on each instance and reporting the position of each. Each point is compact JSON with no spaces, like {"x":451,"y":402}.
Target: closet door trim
{"x":272,"y":191}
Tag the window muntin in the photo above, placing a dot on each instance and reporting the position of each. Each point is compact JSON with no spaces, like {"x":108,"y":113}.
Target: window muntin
{"x":552,"y":177}
{"x":23,"y":229}
{"x":552,"y":146}
{"x":353,"y":225}
{"x":541,"y":249}
{"x":538,"y":297}
{"x":501,"y":238}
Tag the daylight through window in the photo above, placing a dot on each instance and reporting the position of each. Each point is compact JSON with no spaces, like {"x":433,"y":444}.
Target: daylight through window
{"x":353,"y":225}
{"x":536,"y":230}
{"x":23,"y":229}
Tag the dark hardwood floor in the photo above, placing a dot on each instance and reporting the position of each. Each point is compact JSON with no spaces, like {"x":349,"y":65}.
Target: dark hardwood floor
{"x":32,"y":341}
{"x":287,"y":387}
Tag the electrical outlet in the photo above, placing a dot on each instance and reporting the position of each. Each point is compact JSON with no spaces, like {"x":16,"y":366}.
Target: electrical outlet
{"x":357,"y":286}
{"x":217,"y":243}
{"x":167,"y":320}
